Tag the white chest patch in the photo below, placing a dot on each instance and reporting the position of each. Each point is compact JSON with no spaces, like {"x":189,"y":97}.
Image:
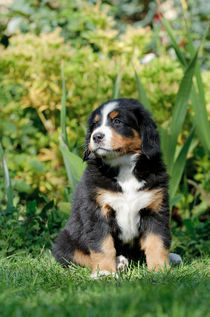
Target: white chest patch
{"x":128,"y":204}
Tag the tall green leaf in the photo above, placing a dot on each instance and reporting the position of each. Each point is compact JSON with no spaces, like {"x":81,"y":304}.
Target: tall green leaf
{"x":178,"y":166}
{"x":7,"y":182}
{"x":117,"y":84}
{"x":142,"y":93}
{"x":198,"y":99}
{"x":73,"y":163}
{"x":174,"y":42}
{"x":180,"y":110}
{"x":63,"y":108}
{"x":199,"y":106}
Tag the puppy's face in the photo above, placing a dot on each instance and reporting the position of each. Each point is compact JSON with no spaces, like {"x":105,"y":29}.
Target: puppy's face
{"x":117,"y":128}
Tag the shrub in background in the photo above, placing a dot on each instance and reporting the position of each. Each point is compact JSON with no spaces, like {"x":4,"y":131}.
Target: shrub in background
{"x":31,"y":91}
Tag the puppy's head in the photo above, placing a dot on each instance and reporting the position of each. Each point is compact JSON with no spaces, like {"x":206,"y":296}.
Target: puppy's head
{"x":120,"y":127}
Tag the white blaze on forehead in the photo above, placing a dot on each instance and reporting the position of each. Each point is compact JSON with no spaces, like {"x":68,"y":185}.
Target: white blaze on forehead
{"x":109,"y":107}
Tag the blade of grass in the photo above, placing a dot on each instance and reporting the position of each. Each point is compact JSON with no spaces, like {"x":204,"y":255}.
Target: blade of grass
{"x":7,"y":182}
{"x":179,"y":165}
{"x":63,"y":108}
{"x":142,"y":93}
{"x":180,"y":110}
{"x":117,"y":84}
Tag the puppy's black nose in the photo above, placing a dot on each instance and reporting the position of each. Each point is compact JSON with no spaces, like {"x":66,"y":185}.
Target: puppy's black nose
{"x":98,"y":137}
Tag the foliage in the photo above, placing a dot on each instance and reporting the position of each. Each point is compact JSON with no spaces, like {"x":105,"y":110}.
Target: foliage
{"x":31,"y":91}
{"x":197,"y":14}
{"x":31,"y":228}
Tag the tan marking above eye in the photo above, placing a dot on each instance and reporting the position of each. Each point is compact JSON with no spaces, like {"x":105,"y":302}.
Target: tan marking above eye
{"x":113,"y":114}
{"x":126,"y":144}
{"x":97,"y":118}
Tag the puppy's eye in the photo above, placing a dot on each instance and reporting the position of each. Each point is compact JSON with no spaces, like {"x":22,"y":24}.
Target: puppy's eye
{"x":116,"y":121}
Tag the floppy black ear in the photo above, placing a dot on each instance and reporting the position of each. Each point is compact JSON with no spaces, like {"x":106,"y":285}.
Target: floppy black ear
{"x":87,"y":153}
{"x":150,"y":138}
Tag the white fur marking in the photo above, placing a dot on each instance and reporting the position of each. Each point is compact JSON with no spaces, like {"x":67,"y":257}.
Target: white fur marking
{"x":107,"y":109}
{"x":106,"y":143}
{"x":99,"y":274}
{"x":122,"y":263}
{"x":128,"y":204}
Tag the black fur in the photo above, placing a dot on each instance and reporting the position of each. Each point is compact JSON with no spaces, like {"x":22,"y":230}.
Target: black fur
{"x":87,"y":227}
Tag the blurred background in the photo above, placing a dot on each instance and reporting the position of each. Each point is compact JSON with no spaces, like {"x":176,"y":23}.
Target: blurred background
{"x":100,"y":45}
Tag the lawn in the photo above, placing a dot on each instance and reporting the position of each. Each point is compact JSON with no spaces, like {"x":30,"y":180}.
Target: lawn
{"x":41,"y":287}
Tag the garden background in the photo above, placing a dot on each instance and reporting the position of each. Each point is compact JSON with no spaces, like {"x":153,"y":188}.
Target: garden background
{"x":59,"y":60}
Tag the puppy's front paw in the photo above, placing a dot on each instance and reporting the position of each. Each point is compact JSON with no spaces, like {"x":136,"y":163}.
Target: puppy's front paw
{"x":99,"y":274}
{"x":122,"y":263}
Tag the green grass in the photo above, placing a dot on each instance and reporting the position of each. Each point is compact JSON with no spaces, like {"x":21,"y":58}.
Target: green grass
{"x":41,"y":287}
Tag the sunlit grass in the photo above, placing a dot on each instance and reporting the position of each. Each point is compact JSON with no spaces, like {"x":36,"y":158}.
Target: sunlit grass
{"x":41,"y":287}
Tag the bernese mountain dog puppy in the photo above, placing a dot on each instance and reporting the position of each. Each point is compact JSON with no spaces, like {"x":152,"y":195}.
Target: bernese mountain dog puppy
{"x":120,"y":207}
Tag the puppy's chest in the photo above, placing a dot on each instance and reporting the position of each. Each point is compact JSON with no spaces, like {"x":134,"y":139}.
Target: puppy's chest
{"x":128,"y":203}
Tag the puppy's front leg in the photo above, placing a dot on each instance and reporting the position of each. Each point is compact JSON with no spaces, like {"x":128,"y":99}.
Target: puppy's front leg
{"x":104,"y":262}
{"x":155,"y":251}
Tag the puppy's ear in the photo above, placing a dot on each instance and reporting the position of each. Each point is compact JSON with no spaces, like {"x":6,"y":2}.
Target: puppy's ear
{"x":150,"y":138}
{"x":87,"y":153}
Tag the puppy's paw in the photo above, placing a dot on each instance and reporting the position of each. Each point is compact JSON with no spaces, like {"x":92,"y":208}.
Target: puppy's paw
{"x":122,"y":263}
{"x":99,"y":274}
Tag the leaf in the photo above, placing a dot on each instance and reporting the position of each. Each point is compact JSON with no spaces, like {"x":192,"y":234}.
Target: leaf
{"x":63,"y":108}
{"x":201,"y":117}
{"x":117,"y":83}
{"x":180,"y":109}
{"x":178,"y":166}
{"x":73,"y":163}
{"x":36,"y":166}
{"x":204,"y":193}
{"x":199,"y":106}
{"x":7,"y":182}
{"x":164,"y":137}
{"x":142,"y":93}
{"x":21,"y":186}
{"x":174,"y":42}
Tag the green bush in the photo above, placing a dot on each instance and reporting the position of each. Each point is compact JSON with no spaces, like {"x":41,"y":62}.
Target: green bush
{"x":31,"y":92}
{"x":33,"y":227}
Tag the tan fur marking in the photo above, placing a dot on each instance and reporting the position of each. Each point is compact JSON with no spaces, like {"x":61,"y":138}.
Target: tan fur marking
{"x":82,"y":259}
{"x":90,"y":148}
{"x":97,"y":118}
{"x":105,"y":260}
{"x":126,"y":145}
{"x":113,"y":114}
{"x":105,"y":208}
{"x":157,"y":200}
{"x":156,"y":253}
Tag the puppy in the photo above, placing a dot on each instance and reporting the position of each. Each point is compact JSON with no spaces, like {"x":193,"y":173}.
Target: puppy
{"x":120,"y":207}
